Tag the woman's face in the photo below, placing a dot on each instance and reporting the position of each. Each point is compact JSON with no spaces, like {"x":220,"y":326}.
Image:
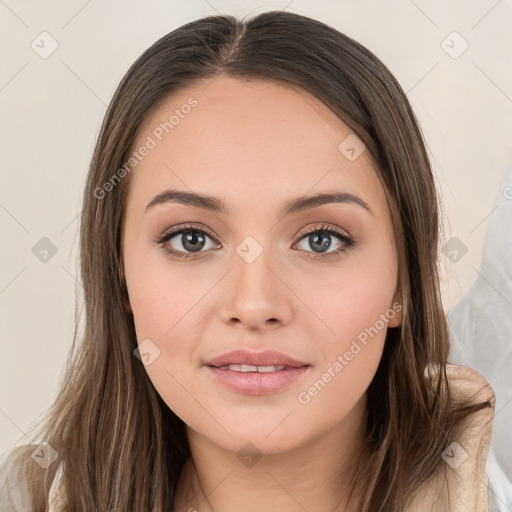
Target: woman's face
{"x":259,"y":277}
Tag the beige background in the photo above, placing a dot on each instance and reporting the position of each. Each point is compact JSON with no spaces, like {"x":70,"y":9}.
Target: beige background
{"x":51,"y":110}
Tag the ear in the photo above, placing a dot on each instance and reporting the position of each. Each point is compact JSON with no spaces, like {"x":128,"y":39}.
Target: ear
{"x":396,"y":308}
{"x":128,"y":306}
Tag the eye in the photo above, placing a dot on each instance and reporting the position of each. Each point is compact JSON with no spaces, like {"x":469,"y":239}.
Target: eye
{"x":192,"y":239}
{"x":189,"y":238}
{"x":318,"y":238}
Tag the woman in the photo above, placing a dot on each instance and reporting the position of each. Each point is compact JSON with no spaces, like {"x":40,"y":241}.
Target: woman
{"x":288,"y":157}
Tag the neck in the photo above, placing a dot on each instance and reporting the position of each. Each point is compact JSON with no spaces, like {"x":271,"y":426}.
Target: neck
{"x":313,"y":476}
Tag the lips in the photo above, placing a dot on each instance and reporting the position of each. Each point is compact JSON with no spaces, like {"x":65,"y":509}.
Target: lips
{"x":256,"y":383}
{"x":266,"y":358}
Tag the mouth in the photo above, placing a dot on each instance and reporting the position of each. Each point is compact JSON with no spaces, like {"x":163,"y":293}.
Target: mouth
{"x":255,"y":373}
{"x":249,"y":368}
{"x":256,"y":380}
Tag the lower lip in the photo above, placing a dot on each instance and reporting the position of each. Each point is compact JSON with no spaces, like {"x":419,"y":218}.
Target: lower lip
{"x":255,"y":383}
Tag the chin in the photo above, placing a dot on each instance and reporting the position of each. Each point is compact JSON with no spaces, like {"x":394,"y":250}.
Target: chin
{"x":264,"y":439}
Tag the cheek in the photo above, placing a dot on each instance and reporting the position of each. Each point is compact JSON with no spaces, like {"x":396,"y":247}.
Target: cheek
{"x":349,"y":313}
{"x":166,"y":305}
{"x":162,"y":295}
{"x":165,"y":311}
{"x":350,"y":338}
{"x":349,"y":298}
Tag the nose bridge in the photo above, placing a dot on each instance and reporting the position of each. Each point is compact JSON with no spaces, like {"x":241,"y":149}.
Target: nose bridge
{"x":255,"y":292}
{"x":253,"y":265}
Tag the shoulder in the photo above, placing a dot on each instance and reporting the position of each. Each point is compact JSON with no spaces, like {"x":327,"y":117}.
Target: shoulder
{"x":469,"y":384}
{"x":19,"y":475}
{"x":14,"y":489}
{"x":466,"y":455}
{"x":462,"y":481}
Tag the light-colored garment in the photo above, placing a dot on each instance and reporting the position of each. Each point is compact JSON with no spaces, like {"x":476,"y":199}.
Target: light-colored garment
{"x":460,"y":486}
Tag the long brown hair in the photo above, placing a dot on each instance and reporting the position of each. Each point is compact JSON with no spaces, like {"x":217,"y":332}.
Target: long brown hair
{"x":121,"y":445}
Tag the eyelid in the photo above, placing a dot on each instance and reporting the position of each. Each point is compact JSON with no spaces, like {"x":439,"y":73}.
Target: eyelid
{"x":175,"y":230}
{"x":330,"y":228}
{"x":322,"y":226}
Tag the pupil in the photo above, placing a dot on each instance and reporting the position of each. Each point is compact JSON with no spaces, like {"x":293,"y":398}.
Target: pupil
{"x":190,"y":241}
{"x":324,"y":244}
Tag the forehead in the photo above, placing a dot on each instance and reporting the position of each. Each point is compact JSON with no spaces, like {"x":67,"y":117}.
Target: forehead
{"x":257,"y":139}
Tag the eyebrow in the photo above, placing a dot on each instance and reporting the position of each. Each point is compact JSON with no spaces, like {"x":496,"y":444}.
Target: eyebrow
{"x":217,"y":205}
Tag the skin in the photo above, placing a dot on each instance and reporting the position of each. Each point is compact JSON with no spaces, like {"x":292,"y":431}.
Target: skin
{"x":256,"y":145}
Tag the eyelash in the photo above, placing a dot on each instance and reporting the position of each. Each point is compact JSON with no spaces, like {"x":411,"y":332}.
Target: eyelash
{"x":324,"y":228}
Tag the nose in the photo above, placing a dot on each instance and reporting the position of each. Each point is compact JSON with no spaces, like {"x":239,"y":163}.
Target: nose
{"x":255,"y":294}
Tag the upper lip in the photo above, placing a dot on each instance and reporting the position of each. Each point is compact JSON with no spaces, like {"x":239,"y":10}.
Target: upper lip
{"x":266,"y":358}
